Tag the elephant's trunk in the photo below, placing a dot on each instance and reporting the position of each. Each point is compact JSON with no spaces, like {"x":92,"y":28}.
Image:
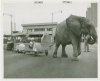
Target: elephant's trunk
{"x":93,"y":38}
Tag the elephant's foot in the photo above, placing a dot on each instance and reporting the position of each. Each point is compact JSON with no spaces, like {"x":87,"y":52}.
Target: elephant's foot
{"x":64,"y":55}
{"x":75,"y":59}
{"x":54,"y":56}
{"x":79,"y":53}
{"x":88,"y":51}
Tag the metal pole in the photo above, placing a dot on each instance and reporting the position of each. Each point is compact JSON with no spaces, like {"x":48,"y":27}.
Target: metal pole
{"x":11,"y":25}
{"x":10,"y":22}
{"x":11,"y":28}
{"x":14,"y":26}
{"x":52,"y":24}
{"x":52,"y":19}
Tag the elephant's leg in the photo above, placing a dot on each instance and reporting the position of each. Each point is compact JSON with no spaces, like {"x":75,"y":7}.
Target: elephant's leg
{"x":63,"y":51}
{"x":75,"y":50}
{"x":79,"y":48}
{"x":56,"y":49}
{"x":87,"y":48}
{"x":84,"y":47}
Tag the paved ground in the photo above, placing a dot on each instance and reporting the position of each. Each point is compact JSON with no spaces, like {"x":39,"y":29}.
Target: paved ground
{"x":27,"y":66}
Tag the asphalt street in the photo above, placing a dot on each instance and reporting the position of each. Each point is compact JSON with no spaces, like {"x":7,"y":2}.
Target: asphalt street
{"x":18,"y":65}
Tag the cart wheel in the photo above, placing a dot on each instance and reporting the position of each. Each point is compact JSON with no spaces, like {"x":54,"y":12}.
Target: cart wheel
{"x":17,"y":51}
{"x":46,"y":52}
{"x":35,"y":53}
{"x":24,"y":52}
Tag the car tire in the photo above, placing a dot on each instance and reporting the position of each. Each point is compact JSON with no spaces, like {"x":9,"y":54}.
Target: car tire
{"x":46,"y":52}
{"x":35,"y":53}
{"x":18,"y":51}
{"x":24,"y":52}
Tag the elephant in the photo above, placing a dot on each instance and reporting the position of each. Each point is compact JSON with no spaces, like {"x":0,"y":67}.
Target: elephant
{"x":70,"y":31}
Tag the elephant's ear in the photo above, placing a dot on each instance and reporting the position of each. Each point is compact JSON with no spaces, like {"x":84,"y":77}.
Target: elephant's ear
{"x":85,"y":24}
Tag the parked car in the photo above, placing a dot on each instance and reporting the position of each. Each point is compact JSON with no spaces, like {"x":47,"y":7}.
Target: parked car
{"x":20,"y":48}
{"x":10,"y":46}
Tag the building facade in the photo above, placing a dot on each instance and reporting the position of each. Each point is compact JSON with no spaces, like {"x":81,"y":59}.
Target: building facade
{"x":39,"y":29}
{"x":91,"y":13}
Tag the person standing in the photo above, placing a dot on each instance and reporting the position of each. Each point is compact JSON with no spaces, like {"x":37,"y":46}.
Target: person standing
{"x":82,"y":38}
{"x":86,"y":45}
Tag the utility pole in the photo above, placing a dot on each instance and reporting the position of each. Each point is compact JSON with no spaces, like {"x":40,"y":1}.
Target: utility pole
{"x":11,"y":26}
{"x":52,"y":23}
{"x":53,"y":19}
{"x":14,"y":26}
{"x":64,"y":2}
{"x":10,"y":22}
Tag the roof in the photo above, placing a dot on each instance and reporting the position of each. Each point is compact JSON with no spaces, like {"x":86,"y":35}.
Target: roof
{"x":18,"y":34}
{"x":5,"y":35}
{"x":15,"y":34}
{"x":39,"y":24}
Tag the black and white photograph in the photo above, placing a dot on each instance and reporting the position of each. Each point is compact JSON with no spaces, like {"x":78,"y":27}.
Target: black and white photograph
{"x":50,"y":39}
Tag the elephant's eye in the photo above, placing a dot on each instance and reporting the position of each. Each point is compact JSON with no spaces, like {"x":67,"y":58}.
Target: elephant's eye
{"x":88,"y":26}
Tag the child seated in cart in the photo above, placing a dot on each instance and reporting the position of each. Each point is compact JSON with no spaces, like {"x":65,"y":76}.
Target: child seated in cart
{"x":40,"y":47}
{"x":34,"y":46}
{"x":31,"y":45}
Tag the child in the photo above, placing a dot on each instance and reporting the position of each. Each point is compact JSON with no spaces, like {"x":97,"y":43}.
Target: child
{"x":31,"y":45}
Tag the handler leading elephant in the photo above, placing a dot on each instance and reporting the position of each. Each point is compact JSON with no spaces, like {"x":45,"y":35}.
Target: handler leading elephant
{"x":70,"y":31}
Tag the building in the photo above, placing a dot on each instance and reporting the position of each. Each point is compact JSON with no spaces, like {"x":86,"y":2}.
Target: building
{"x":91,"y":13}
{"x":37,"y":30}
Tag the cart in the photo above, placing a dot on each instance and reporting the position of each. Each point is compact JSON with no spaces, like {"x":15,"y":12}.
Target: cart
{"x":43,"y":47}
{"x":38,"y":48}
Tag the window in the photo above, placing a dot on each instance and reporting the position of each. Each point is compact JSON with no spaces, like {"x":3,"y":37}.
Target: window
{"x":39,"y":29}
{"x":29,"y":30}
{"x":49,"y":29}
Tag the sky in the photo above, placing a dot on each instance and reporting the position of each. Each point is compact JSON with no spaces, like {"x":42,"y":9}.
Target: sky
{"x":27,"y":12}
